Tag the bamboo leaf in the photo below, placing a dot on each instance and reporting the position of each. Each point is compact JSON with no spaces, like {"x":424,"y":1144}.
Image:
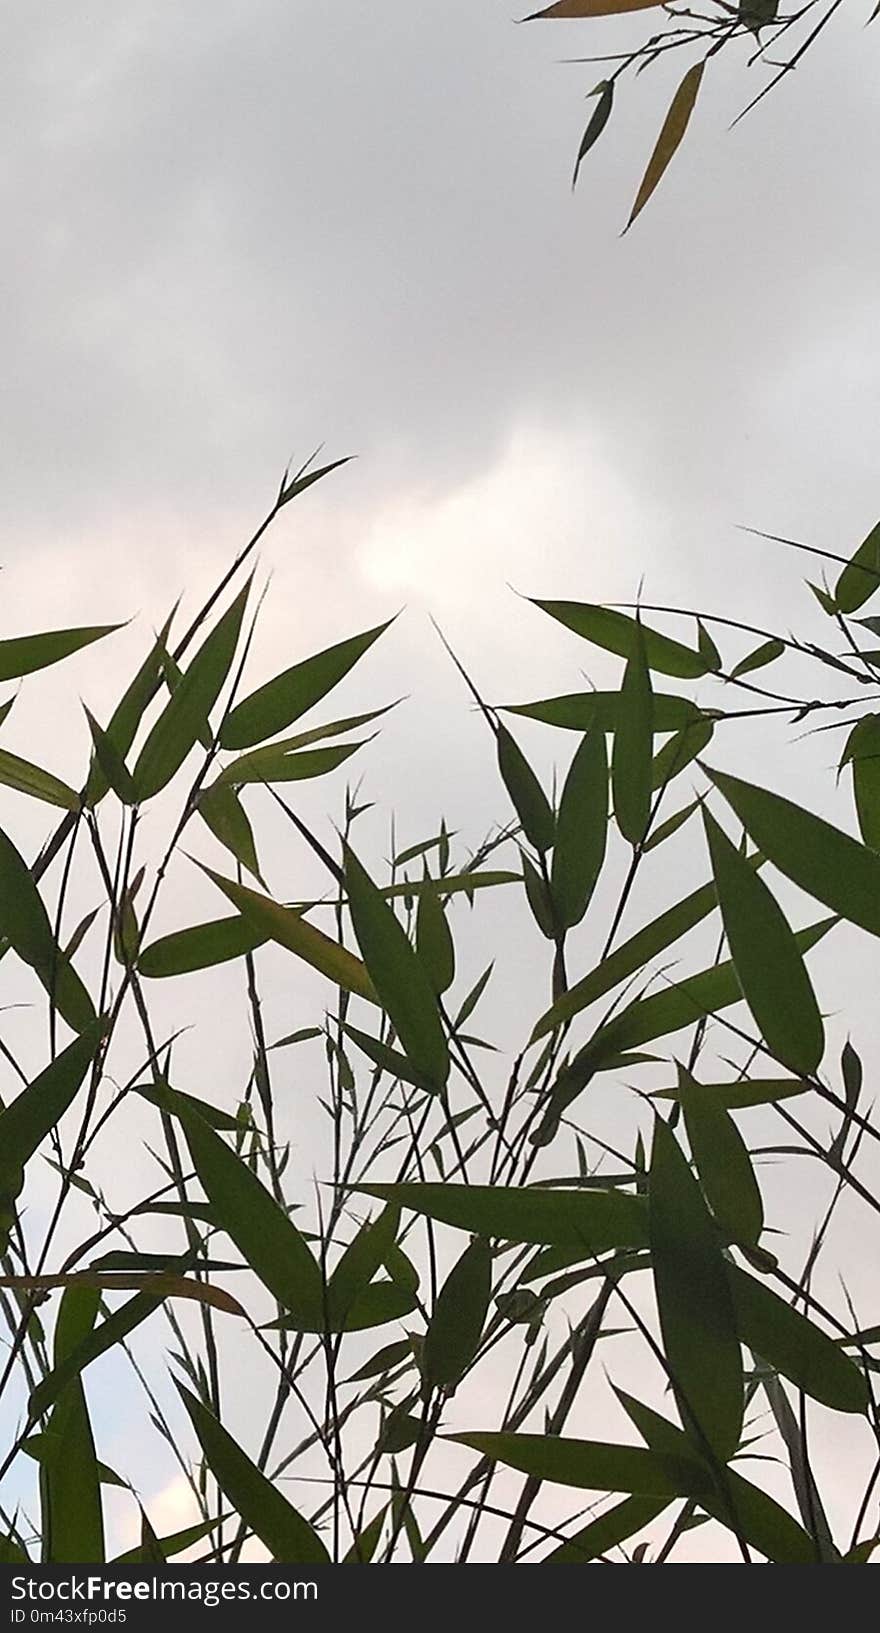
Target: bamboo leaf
{"x":581,"y":831}
{"x":32,"y":1115}
{"x":591,"y":8}
{"x":526,"y":794}
{"x":397,"y":975}
{"x":359,"y":1263}
{"x":766,"y":957}
{"x":617,"y":1525}
{"x":795,"y":1346}
{"x":387,"y":1059}
{"x":70,"y":1479}
{"x":616,"y":632}
{"x":596,"y":124}
{"x":766,"y":653}
{"x":289,"y":929}
{"x":630,"y":957}
{"x":26,"y":778}
{"x":693,"y":1300}
{"x":631,"y":768}
{"x":275,"y":706}
{"x":757,"y":1517}
{"x":856,"y":583}
{"x":25,"y":922}
{"x":274,"y":764}
{"x":265,"y":1236}
{"x":290,"y":1539}
{"x":588,"y":711}
{"x":722,"y":1161}
{"x":862,"y":752}
{"x":458,"y":1318}
{"x":592,"y":1465}
{"x":674,"y":126}
{"x":158,"y":1286}
{"x":185,"y":715}
{"x":708,"y":993}
{"x":200,"y":947}
{"x":24,"y":654}
{"x":821,"y":859}
{"x":434,"y":943}
{"x":110,"y":764}
{"x":222,"y":811}
{"x":596,"y":1221}
{"x":127,"y":716}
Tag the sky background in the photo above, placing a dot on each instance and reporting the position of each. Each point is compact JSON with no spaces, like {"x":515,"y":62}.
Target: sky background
{"x":234,"y":231}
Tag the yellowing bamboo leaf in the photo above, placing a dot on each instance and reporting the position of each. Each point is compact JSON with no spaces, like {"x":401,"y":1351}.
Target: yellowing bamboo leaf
{"x":674,"y":126}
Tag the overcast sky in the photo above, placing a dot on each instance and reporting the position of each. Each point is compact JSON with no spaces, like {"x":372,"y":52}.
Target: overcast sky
{"x":237,"y":229}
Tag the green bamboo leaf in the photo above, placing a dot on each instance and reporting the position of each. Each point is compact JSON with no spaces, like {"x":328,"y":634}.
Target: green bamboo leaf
{"x":397,"y":975}
{"x":597,"y":1221}
{"x":274,"y":764}
{"x":110,"y":764}
{"x":862,"y":752}
{"x":821,"y":859}
{"x":539,"y":899}
{"x":70,"y":1479}
{"x":290,"y":1539}
{"x":292,"y":488}
{"x":858,"y":580}
{"x":722,"y":1161}
{"x":766,"y":653}
{"x":680,"y":750}
{"x":615,"y":632}
{"x":25,"y":923}
{"x":387,"y":1059}
{"x":373,"y":1306}
{"x":127,"y":716}
{"x":111,"y":1332}
{"x":674,"y":126}
{"x":739,"y":1505}
{"x":26,"y":778}
{"x":629,"y":958}
{"x":367,"y":1541}
{"x":32,"y":1115}
{"x":581,"y":831}
{"x":265,"y":1236}
{"x":598,"y":120}
{"x":11,"y":1553}
{"x":275,"y":706}
{"x":598,"y":711}
{"x":707,"y":649}
{"x":453,"y":884}
{"x":185,"y":715}
{"x":459,"y":1315}
{"x":617,"y":1525}
{"x":384,"y":1361}
{"x":746,"y":1091}
{"x":200,"y":947}
{"x":26,"y":653}
{"x":289,"y":929}
{"x":795,"y":1346}
{"x":526,"y":794}
{"x":359,"y":1263}
{"x":631,"y":765}
{"x":666,"y":829}
{"x":213,"y":1115}
{"x":592,"y":1465}
{"x":693,"y":1301}
{"x":222,"y":811}
{"x":434,"y":943}
{"x":769,"y":966}
{"x":177,"y":1543}
{"x":708,"y":993}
